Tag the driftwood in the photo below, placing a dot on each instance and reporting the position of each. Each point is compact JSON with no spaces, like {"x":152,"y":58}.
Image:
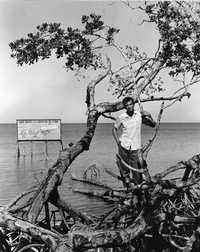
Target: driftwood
{"x":161,"y":209}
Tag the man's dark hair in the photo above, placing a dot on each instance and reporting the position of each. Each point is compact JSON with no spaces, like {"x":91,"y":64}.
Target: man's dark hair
{"x":127,"y":99}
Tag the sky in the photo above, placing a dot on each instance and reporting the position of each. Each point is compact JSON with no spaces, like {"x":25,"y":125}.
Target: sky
{"x":46,"y":89}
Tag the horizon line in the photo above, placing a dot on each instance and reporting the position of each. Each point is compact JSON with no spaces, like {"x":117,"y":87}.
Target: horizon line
{"x":103,"y":122}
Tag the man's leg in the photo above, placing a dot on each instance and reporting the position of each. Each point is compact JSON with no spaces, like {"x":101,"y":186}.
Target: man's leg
{"x":143,"y":165}
{"x":135,"y":162}
{"x":124,"y":171}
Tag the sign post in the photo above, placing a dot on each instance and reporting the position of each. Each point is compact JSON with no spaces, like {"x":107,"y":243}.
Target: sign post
{"x":29,"y":130}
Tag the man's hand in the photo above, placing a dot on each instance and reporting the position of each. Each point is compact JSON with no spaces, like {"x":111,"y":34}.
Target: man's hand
{"x":148,"y":120}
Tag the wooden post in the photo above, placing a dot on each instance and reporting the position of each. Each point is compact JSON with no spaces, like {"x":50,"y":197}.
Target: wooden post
{"x":46,"y":149}
{"x":31,"y":149}
{"x":61,"y":143}
{"x":18,"y":150}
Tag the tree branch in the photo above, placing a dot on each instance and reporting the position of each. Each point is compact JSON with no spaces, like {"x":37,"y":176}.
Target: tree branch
{"x":165,"y":98}
{"x":91,"y":86}
{"x":14,"y":202}
{"x":148,"y":146}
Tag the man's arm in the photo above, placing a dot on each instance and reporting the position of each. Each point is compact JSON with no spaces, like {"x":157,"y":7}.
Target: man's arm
{"x":147,"y":119}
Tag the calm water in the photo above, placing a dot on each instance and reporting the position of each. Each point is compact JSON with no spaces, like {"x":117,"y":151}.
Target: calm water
{"x":174,"y":142}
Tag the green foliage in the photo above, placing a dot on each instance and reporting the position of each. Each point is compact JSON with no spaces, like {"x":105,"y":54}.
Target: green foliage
{"x":124,"y":81}
{"x":92,"y":23}
{"x":77,"y":46}
{"x":179,"y":26}
{"x":154,"y":87}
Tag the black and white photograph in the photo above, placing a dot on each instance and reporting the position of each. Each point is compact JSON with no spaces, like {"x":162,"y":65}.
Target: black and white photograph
{"x":99,"y":126}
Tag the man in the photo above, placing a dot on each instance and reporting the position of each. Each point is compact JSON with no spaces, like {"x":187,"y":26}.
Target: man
{"x":129,"y":141}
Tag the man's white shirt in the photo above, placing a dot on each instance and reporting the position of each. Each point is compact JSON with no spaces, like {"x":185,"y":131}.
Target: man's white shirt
{"x":131,"y":130}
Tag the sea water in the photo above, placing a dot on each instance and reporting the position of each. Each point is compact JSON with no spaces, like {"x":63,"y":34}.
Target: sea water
{"x":174,"y":142}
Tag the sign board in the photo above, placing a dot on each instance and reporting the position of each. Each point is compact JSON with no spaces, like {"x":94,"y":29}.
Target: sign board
{"x":38,"y":130}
